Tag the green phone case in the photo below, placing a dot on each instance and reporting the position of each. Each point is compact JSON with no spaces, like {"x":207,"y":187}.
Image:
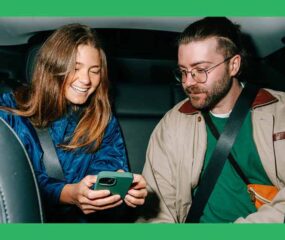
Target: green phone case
{"x":116,"y":182}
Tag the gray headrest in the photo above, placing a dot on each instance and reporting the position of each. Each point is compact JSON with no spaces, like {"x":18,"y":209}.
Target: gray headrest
{"x":135,"y":99}
{"x":30,"y":61}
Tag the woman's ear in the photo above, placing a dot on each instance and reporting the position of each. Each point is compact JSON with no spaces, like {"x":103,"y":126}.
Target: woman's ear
{"x":234,"y":65}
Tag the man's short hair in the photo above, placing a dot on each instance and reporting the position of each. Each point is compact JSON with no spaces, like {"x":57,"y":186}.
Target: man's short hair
{"x":228,"y":35}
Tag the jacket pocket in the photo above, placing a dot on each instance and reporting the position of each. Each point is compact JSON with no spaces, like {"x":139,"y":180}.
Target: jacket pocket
{"x":279,"y":152}
{"x":278,"y":136}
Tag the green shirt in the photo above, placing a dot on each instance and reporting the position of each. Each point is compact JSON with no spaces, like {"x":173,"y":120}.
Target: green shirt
{"x":230,"y":199}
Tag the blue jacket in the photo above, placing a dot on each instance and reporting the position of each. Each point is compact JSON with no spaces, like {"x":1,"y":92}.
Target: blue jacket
{"x":75,"y":164}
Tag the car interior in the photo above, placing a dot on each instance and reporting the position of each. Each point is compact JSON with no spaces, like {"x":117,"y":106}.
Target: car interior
{"x":141,"y":54}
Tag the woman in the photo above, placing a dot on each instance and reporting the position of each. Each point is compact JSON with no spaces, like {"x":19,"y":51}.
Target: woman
{"x":69,"y":96}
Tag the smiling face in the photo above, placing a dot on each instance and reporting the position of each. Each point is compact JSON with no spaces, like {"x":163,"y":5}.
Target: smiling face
{"x":204,"y":54}
{"x":85,"y":78}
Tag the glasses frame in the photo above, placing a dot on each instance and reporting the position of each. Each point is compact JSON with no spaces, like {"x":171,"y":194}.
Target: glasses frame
{"x":206,"y":71}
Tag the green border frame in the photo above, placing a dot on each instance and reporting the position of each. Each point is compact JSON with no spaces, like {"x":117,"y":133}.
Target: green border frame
{"x":145,"y":8}
{"x":142,"y":231}
{"x":141,"y":8}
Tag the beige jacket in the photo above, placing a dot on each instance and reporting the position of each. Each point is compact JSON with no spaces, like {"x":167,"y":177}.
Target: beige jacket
{"x":176,"y":152}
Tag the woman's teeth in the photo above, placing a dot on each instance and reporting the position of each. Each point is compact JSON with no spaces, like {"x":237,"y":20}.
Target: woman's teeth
{"x":79,"y":89}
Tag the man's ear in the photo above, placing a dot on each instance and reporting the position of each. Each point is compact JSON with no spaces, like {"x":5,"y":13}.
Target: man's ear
{"x":234,"y":65}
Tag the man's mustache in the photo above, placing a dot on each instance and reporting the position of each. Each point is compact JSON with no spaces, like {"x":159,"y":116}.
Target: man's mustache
{"x":195,"y":90}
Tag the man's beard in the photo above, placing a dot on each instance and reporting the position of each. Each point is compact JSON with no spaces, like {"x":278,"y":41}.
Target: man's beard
{"x":213,"y":96}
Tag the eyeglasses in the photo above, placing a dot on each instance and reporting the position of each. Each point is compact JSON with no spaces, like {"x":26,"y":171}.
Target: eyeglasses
{"x":199,"y":75}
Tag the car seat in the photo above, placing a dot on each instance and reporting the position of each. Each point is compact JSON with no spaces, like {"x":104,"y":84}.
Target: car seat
{"x":19,"y":194}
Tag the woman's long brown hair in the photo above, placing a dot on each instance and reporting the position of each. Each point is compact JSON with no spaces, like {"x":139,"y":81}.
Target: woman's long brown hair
{"x":45,"y":100}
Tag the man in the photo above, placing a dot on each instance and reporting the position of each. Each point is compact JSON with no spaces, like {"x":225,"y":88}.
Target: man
{"x":210,"y":59}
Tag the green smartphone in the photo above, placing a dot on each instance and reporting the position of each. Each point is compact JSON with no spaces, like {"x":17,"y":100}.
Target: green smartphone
{"x":116,"y":182}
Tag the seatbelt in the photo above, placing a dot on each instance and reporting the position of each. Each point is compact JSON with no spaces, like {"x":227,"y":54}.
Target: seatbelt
{"x":231,"y":158}
{"x":221,"y":152}
{"x":50,"y":159}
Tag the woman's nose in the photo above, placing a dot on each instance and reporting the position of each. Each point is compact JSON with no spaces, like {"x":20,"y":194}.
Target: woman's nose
{"x":84,"y":77}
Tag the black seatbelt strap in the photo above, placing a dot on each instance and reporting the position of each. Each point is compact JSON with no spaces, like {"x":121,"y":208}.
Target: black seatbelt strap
{"x":221,"y":152}
{"x":50,"y":159}
{"x":232,"y":160}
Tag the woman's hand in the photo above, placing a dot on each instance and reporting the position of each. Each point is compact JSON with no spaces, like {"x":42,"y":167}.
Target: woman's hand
{"x":137,"y":193}
{"x":86,"y":199}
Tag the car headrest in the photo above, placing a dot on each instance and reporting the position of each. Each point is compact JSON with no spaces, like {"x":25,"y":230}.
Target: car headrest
{"x":145,"y":100}
{"x":30,"y":61}
{"x":19,"y":193}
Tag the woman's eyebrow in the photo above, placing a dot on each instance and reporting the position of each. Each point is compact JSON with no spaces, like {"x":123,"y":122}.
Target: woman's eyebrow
{"x":93,"y":66}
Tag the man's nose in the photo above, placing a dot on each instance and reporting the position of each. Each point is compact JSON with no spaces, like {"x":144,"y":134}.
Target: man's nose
{"x":189,"y":80}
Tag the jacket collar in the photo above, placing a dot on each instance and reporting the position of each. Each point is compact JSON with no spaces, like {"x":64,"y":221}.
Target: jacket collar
{"x":263,"y":98}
